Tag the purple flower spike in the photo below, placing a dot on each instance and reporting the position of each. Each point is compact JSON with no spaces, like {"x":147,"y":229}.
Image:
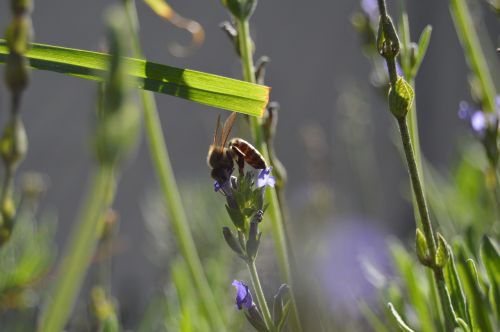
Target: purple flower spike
{"x":243,"y":296}
{"x":265,"y":178}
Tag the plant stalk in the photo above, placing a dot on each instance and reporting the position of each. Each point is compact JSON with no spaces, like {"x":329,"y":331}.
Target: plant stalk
{"x":261,"y":299}
{"x":418,"y":191}
{"x":168,"y":185}
{"x":79,"y":254}
{"x":274,"y":212}
{"x":426,"y":223}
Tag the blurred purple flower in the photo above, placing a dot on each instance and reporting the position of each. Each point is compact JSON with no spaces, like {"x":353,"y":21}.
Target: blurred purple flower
{"x":478,"y":120}
{"x":370,"y":8}
{"x":265,"y":178}
{"x":352,"y":262}
{"x":243,"y":296}
{"x":217,"y":186}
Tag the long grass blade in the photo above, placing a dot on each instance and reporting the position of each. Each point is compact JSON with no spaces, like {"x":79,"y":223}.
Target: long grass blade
{"x":200,"y":87}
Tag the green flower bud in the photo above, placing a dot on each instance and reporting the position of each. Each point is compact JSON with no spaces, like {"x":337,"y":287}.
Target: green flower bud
{"x":422,"y":249}
{"x":252,"y":246}
{"x":400,"y":98}
{"x":14,"y":142}
{"x":442,"y":252}
{"x":387,"y":40}
{"x":16,"y":73}
{"x":232,"y":242}
{"x":241,"y":9}
{"x":280,"y":306}
{"x":118,"y":120}
{"x":255,"y":318}
{"x":19,"y":34}
{"x":21,"y":6}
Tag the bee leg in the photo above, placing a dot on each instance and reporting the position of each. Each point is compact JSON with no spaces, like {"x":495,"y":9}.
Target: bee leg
{"x":240,"y":159}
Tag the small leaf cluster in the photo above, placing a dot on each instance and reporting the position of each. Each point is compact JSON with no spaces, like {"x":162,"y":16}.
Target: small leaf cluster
{"x":244,"y":201}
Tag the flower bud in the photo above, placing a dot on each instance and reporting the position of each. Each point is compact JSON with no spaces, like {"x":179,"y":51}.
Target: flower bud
{"x":18,"y":35}
{"x":442,"y":252}
{"x":253,"y":242}
{"x":255,"y":318}
{"x":400,"y":98}
{"x":280,"y":306}
{"x":232,"y":34}
{"x":260,"y":69}
{"x":21,"y":6}
{"x":422,"y":249}
{"x":118,"y":123}
{"x":387,"y":40}
{"x":16,"y":73}
{"x":232,"y":242}
{"x":14,"y":142}
{"x":241,"y":9}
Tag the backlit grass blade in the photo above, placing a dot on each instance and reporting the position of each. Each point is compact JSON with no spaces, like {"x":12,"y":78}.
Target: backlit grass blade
{"x":200,"y":87}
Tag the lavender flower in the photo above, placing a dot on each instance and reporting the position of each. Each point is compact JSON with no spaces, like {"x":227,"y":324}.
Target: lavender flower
{"x":243,"y":296}
{"x":478,"y":120}
{"x":265,"y":178}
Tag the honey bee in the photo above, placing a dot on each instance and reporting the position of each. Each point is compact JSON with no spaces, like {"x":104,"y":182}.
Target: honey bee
{"x":221,"y":158}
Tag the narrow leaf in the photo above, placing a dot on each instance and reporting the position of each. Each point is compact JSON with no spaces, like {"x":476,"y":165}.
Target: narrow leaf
{"x":200,"y":87}
{"x":455,"y":287}
{"x":491,"y":261}
{"x":477,"y":304}
{"x":423,"y":44}
{"x":398,"y":320}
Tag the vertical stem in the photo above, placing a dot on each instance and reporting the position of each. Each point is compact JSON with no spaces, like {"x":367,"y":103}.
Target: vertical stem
{"x":274,"y":211}
{"x":418,"y":191}
{"x":426,"y":223}
{"x":168,"y":185}
{"x":261,"y":299}
{"x":81,"y":247}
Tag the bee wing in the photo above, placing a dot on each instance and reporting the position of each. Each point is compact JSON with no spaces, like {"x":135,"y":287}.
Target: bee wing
{"x":228,"y":125}
{"x":216,"y":133}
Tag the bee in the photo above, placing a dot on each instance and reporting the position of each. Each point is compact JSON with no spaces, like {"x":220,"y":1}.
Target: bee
{"x":221,"y":158}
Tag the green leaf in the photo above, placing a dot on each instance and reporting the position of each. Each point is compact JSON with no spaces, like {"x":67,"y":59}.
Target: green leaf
{"x":491,"y":261}
{"x":423,"y":44}
{"x":415,"y":285}
{"x":455,"y":287}
{"x":476,"y":301}
{"x":398,"y":320}
{"x":373,"y":320}
{"x":200,"y":87}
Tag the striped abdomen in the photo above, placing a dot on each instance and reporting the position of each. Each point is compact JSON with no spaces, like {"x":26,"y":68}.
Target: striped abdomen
{"x":250,"y":154}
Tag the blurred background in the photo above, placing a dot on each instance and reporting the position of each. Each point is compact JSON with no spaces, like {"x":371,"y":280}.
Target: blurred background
{"x":346,"y":179}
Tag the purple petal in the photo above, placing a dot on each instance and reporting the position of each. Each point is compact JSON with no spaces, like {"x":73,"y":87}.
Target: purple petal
{"x":217,"y":186}
{"x":478,"y":121}
{"x":243,"y":296}
{"x":265,"y":178}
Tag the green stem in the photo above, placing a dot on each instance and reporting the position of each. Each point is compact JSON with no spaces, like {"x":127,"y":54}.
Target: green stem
{"x":273,"y":210}
{"x":473,"y":51}
{"x":168,"y":185}
{"x":79,"y":254}
{"x":255,"y":124}
{"x":418,"y":191}
{"x":426,"y":223}
{"x":261,"y":299}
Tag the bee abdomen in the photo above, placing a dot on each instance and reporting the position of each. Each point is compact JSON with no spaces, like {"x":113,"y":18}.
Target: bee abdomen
{"x":250,"y":154}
